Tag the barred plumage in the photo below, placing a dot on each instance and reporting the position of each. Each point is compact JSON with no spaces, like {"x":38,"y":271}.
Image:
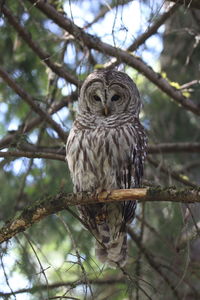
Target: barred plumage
{"x":106,"y":150}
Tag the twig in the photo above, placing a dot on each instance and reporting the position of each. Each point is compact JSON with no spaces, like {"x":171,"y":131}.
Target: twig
{"x":189,"y":84}
{"x":38,"y":260}
{"x":5,"y":275}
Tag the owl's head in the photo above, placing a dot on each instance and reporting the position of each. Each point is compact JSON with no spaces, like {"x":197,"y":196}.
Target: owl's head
{"x":109,"y":92}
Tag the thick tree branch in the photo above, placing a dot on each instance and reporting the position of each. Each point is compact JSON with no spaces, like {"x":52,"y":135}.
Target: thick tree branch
{"x":44,"y":56}
{"x":61,"y":201}
{"x":30,"y":101}
{"x":131,"y":60}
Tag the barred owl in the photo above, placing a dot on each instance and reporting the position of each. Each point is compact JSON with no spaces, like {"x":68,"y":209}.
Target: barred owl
{"x":106,"y":150}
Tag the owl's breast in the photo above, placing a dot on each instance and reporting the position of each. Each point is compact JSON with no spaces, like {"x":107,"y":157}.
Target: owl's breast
{"x":97,"y":157}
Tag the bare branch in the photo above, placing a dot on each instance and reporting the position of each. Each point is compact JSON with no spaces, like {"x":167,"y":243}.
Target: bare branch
{"x":32,"y":154}
{"x":131,"y":60}
{"x":61,"y":201}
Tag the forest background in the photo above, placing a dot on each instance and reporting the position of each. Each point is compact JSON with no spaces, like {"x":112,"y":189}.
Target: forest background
{"x":47,"y":48}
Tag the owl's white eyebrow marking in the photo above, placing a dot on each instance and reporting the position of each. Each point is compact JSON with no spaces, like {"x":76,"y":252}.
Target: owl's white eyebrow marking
{"x":91,"y":82}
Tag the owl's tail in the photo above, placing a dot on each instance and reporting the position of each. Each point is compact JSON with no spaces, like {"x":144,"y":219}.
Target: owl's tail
{"x":112,"y":251}
{"x":108,"y":222}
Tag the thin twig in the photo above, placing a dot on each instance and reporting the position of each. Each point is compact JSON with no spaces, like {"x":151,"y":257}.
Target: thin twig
{"x":38,"y":260}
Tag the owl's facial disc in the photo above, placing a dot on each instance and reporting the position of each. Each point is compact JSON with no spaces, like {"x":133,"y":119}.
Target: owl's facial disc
{"x":105,"y":99}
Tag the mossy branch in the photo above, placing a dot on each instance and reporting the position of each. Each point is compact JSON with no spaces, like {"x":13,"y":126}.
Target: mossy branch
{"x":53,"y":204}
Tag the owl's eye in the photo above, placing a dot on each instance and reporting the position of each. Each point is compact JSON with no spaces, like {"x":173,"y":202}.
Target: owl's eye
{"x":115,"y":97}
{"x":96,"y":98}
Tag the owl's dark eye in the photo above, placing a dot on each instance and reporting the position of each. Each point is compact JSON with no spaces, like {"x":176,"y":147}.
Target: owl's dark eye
{"x":115,"y":97}
{"x":96,"y":98}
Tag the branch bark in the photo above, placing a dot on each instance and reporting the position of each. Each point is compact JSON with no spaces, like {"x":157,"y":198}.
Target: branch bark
{"x":61,"y":201}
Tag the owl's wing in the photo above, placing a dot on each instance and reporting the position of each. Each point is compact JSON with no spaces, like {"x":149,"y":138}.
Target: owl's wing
{"x":131,"y":176}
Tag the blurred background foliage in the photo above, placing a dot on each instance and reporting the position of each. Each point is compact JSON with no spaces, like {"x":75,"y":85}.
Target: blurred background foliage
{"x":55,"y":257}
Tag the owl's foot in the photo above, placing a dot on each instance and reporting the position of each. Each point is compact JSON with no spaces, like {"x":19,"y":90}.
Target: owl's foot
{"x":102,"y":195}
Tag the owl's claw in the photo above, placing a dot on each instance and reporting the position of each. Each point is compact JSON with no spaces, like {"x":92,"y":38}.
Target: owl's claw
{"x":102,"y":195}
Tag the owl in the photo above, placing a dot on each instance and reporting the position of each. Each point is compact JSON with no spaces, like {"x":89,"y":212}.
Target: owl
{"x":105,"y":150}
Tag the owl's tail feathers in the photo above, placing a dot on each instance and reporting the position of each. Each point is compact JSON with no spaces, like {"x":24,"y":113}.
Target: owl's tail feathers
{"x":113,"y":252}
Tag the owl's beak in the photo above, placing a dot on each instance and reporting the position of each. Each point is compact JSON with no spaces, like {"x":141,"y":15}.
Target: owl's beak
{"x":106,"y":111}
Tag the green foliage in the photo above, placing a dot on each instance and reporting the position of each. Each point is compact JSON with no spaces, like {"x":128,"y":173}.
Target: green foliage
{"x":59,"y":246}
